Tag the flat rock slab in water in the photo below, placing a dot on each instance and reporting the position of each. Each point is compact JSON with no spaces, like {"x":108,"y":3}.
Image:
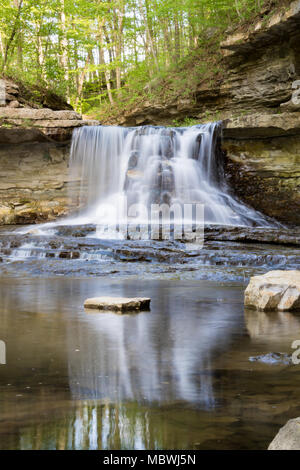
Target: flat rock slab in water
{"x":118,"y":304}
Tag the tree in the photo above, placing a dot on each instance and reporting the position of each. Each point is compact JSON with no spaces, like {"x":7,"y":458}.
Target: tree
{"x":103,"y":47}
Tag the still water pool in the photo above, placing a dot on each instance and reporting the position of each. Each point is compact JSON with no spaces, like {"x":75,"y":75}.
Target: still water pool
{"x":177,"y":377}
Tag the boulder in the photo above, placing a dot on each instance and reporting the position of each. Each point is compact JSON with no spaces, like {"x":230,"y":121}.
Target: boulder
{"x":288,"y":437}
{"x":275,"y":290}
{"x":14,"y":104}
{"x":119,"y":304}
{"x":290,"y":106}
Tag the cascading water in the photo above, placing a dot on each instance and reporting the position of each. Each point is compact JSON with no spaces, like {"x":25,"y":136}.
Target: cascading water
{"x":147,"y":165}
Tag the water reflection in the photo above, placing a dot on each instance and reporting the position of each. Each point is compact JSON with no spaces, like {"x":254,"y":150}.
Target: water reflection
{"x":122,"y":426}
{"x":271,"y":327}
{"x":159,"y":356}
{"x":175,"y":377}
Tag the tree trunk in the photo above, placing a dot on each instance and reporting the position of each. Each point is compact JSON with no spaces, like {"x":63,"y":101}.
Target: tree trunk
{"x":149,"y":37}
{"x":81,"y":80}
{"x":12,"y":35}
{"x":102,"y":62}
{"x":64,"y":46}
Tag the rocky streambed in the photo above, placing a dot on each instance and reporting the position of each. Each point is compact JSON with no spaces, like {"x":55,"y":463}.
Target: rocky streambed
{"x":228,"y":254}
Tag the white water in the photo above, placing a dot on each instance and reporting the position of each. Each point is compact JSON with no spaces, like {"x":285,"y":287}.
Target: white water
{"x":123,"y":171}
{"x":141,"y":166}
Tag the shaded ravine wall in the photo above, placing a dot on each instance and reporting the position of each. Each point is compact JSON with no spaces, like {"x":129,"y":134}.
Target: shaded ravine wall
{"x":265,"y":173}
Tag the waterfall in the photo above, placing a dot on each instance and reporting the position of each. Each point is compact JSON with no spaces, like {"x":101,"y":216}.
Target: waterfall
{"x":153,"y":165}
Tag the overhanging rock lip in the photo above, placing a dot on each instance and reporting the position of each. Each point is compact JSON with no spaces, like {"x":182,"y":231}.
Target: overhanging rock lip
{"x":17,"y":134}
{"x":262,"y":126}
{"x":266,"y":29}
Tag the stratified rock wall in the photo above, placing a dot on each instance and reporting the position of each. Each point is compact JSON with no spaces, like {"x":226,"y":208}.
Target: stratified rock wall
{"x":262,"y":163}
{"x":34,"y":182}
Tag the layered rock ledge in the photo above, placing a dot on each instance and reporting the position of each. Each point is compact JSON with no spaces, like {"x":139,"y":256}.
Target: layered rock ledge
{"x":256,"y":126}
{"x":35,"y":184}
{"x":262,"y":163}
{"x":267,"y":30}
{"x":23,"y":124}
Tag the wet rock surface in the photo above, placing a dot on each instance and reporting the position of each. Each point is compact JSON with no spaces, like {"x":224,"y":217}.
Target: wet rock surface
{"x":280,"y":236}
{"x":75,"y":251}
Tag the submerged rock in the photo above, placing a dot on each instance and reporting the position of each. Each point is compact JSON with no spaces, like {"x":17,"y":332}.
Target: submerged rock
{"x":272,"y":358}
{"x":275,"y":290}
{"x":75,"y":230}
{"x":288,"y":437}
{"x":120,"y":304}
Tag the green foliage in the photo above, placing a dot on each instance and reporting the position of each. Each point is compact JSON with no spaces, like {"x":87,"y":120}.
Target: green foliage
{"x":105,"y":56}
{"x":186,"y":122}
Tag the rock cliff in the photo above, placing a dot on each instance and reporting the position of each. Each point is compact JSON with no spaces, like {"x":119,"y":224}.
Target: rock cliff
{"x":34,"y":149}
